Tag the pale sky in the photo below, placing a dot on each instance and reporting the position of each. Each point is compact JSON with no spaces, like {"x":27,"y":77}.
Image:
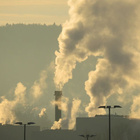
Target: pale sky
{"x":33,"y":11}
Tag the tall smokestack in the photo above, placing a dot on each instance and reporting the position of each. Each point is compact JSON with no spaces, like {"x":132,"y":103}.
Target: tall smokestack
{"x":58,"y":95}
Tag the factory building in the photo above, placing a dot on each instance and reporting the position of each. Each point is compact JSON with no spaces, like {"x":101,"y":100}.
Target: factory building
{"x":96,"y":128}
{"x":122,"y":128}
{"x":16,"y":132}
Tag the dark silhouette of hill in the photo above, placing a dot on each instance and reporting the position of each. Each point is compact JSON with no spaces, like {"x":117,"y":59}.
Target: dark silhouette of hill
{"x":25,"y":50}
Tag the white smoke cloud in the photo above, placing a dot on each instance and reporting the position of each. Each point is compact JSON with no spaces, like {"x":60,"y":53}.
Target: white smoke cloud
{"x":43,"y":112}
{"x":69,"y":111}
{"x":57,"y":124}
{"x":75,"y":107}
{"x":7,"y":107}
{"x":108,"y":29}
{"x":39,"y":85}
{"x":62,"y":104}
{"x":22,"y":106}
{"x":135,"y":108}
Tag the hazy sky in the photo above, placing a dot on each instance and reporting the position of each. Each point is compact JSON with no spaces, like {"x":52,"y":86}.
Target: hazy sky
{"x":33,"y":11}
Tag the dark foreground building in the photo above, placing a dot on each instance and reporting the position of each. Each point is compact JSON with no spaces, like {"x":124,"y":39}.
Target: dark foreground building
{"x":122,"y":128}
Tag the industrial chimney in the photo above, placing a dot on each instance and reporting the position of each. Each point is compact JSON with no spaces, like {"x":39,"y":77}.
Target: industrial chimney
{"x":58,"y":95}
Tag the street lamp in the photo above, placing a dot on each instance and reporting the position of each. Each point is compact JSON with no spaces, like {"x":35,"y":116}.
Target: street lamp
{"x":109,"y":107}
{"x":20,"y":123}
{"x":87,"y":136}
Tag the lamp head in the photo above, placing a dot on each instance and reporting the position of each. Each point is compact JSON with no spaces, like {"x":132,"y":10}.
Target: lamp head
{"x":82,"y":135}
{"x":20,"y":123}
{"x":101,"y":107}
{"x":29,"y":123}
{"x":92,"y":135}
{"x":108,"y":106}
{"x":117,"y":106}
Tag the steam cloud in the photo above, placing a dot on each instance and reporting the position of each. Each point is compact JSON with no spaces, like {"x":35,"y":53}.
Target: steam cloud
{"x":70,"y":111}
{"x":8,"y":107}
{"x":62,"y":105}
{"x":56,"y":125}
{"x":43,"y":111}
{"x":23,"y":103}
{"x":75,"y":106}
{"x":40,"y":85}
{"x":108,"y":30}
{"x":135,"y":108}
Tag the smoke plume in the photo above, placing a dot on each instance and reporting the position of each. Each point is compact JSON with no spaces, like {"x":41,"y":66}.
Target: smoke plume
{"x":75,"y":106}
{"x":70,"y":111}
{"x":23,"y":105}
{"x":56,"y":125}
{"x":43,"y":111}
{"x":39,"y":85}
{"x":63,"y":106}
{"x":135,"y":108}
{"x":8,"y":107}
{"x":108,"y":30}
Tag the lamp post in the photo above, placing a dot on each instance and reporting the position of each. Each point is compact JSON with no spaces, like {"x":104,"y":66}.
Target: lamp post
{"x":87,"y":136}
{"x":109,"y":108}
{"x":20,"y":123}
